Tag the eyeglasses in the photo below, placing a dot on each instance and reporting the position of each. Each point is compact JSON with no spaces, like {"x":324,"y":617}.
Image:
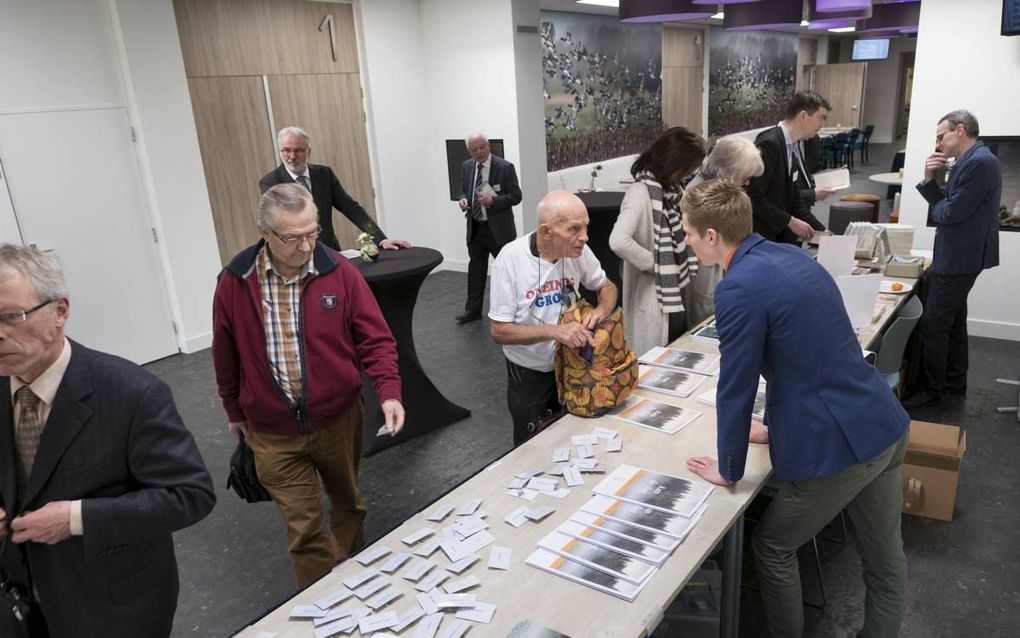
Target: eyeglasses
{"x":295,"y":240}
{"x":293,"y":151}
{"x":21,"y":316}
{"x":939,"y":136}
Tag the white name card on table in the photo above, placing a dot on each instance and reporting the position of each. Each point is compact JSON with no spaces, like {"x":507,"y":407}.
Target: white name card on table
{"x":859,"y":294}
{"x":836,"y":254}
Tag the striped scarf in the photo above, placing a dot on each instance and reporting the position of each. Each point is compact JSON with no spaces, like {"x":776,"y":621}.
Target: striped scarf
{"x":672,"y":262}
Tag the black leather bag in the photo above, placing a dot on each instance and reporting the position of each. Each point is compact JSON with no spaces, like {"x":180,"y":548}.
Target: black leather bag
{"x":20,"y":617}
{"x":243,"y":479}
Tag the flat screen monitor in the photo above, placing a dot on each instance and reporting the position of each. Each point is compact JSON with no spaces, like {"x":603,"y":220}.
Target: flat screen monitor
{"x":871,"y":49}
{"x":1010,"y":17}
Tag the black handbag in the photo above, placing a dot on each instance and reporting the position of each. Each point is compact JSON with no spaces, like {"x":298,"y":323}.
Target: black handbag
{"x":243,"y":479}
{"x":20,"y":616}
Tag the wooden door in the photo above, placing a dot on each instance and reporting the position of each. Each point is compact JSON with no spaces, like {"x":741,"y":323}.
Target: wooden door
{"x":306,"y":53}
{"x":329,"y":107}
{"x":843,"y":86}
{"x":237,"y":150}
{"x":683,"y":91}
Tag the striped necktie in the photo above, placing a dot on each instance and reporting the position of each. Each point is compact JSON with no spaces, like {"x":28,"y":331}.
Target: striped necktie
{"x":27,"y":428}
{"x":476,"y":206}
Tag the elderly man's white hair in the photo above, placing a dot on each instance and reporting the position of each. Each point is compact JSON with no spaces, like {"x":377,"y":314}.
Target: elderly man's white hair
{"x":556,"y":204}
{"x":293,"y":130}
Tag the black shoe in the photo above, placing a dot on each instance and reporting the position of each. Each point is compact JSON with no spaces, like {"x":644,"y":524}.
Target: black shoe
{"x":955,"y":389}
{"x":922,"y":399}
{"x":467,"y":317}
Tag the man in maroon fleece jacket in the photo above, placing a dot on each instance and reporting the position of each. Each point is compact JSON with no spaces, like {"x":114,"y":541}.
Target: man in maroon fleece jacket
{"x":293,"y":325}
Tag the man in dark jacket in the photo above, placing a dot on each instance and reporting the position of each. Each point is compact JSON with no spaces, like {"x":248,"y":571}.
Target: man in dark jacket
{"x":489,"y":191}
{"x":293,"y":326}
{"x":966,"y":218}
{"x":322,"y":183}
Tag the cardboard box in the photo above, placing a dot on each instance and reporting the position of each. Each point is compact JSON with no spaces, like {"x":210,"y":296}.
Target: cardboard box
{"x":931,"y":469}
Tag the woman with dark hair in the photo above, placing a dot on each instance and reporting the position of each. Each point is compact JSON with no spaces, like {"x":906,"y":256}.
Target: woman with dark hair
{"x":649,"y":240}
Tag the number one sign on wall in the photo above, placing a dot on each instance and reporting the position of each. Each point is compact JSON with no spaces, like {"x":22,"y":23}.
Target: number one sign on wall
{"x":328,"y":20}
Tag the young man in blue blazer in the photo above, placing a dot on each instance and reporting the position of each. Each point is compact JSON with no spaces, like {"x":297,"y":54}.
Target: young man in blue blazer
{"x":836,"y":433}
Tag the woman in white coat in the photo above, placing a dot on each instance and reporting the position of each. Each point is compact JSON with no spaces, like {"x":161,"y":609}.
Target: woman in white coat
{"x":649,"y":239}
{"x":734,"y":159}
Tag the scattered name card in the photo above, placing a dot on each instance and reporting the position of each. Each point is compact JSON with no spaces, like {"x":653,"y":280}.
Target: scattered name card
{"x":469,"y":526}
{"x":584,"y":452}
{"x":469,"y":506}
{"x":517,"y":483}
{"x":572,"y":476}
{"x":334,"y":615}
{"x":538,"y":513}
{"x":463,"y":564}
{"x":543,"y":484}
{"x":558,"y":469}
{"x":499,"y":557}
{"x":335,"y":598}
{"x":415,"y":537}
{"x":417,"y":569}
{"x":560,"y":493}
{"x":463,"y":584}
{"x":605,"y":433}
{"x":359,"y":579}
{"x":615,"y":445}
{"x":455,"y":601}
{"x":428,"y":626}
{"x":306,"y":611}
{"x":428,"y":547}
{"x":481,"y":612}
{"x":524,"y":493}
{"x":373,"y":587}
{"x":428,"y":604}
{"x":341,"y":626}
{"x":372,"y":555}
{"x":394,"y":562}
{"x":517,"y":517}
{"x":526,"y":474}
{"x":407,"y":618}
{"x":384,"y":598}
{"x":432,"y":581}
{"x":375,"y":622}
{"x":583,"y":439}
{"x":561,"y":454}
{"x":439,"y":513}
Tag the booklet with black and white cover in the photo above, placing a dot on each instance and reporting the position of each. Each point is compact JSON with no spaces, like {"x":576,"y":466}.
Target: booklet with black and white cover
{"x":601,"y":558}
{"x":757,"y":412}
{"x":655,"y":415}
{"x":708,"y":332}
{"x":675,"y":382}
{"x":658,"y":540}
{"x":653,"y":520}
{"x":596,"y":536}
{"x":658,"y":491}
{"x":555,"y":564}
{"x":675,"y":359}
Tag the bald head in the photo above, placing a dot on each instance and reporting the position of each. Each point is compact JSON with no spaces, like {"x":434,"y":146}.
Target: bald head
{"x":562,"y":225}
{"x":478,"y":146}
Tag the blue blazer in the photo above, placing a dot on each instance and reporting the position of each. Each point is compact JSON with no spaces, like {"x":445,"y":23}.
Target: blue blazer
{"x":966,"y":214}
{"x":780,"y":315}
{"x":115,"y":440}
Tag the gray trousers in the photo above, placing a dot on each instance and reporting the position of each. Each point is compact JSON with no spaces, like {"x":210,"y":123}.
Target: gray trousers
{"x":872,"y":494}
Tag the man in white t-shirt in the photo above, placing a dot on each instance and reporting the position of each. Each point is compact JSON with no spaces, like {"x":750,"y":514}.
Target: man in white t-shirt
{"x":533,"y":280}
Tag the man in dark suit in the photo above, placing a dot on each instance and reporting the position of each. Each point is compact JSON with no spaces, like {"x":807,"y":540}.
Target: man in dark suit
{"x":96,"y":468}
{"x":321,"y":181}
{"x":780,"y":212}
{"x":966,"y":219}
{"x":488,"y":193}
{"x":836,"y":434}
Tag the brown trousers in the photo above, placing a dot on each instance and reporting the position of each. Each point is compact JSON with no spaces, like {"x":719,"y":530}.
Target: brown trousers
{"x":291,"y":468}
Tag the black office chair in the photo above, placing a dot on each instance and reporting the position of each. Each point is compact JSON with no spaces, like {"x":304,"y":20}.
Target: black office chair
{"x":865,"y":138}
{"x":851,"y":144}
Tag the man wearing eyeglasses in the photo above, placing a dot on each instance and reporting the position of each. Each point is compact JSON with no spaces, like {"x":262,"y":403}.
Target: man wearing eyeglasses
{"x":965,"y":213}
{"x":535,"y":278}
{"x":96,"y":468}
{"x":293,"y":326}
{"x":322,"y":183}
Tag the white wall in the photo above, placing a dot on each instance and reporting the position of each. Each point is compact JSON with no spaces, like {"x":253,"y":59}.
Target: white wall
{"x":171,"y":163}
{"x":530,"y":110}
{"x":882,"y":88}
{"x":963,"y":62}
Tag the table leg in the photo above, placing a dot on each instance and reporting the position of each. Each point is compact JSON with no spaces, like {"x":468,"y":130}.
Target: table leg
{"x":733,"y":558}
{"x":425,"y":406}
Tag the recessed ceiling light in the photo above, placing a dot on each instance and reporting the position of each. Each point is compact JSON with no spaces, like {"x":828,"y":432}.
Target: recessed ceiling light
{"x":719,"y":16}
{"x":843,"y":30}
{"x":601,"y":3}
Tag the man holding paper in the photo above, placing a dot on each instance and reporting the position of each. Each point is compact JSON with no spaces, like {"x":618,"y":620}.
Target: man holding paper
{"x":836,"y":434}
{"x":489,"y":191}
{"x":780,"y":211}
{"x":294,"y":324}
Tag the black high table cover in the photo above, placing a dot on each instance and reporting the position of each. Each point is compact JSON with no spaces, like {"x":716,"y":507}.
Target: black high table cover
{"x":395,"y":280}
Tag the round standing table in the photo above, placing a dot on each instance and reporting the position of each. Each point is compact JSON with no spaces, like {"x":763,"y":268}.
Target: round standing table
{"x":395,"y":280}
{"x":893,"y":179}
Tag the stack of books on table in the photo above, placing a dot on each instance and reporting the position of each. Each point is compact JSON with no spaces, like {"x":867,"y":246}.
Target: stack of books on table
{"x":901,"y":237}
{"x":625,"y":532}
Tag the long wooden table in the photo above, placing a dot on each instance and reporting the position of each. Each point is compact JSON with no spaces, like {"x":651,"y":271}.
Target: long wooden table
{"x":526,"y":593}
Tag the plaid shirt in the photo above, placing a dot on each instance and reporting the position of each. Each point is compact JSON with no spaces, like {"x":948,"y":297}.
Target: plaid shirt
{"x":281,"y":309}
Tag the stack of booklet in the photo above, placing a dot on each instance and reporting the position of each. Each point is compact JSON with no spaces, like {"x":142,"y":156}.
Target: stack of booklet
{"x":618,"y":539}
{"x":757,"y":413}
{"x":674,"y":372}
{"x":654,"y":415}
